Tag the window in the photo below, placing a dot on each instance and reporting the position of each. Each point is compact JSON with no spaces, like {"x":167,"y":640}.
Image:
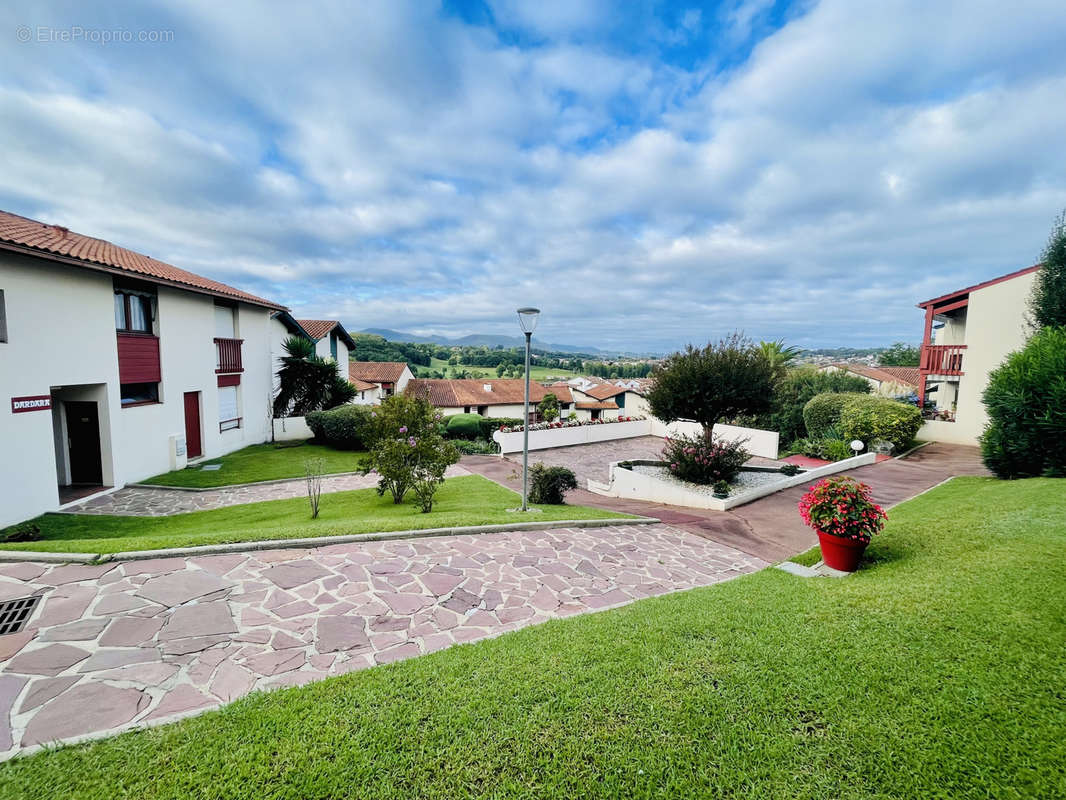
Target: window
{"x":135,"y":394}
{"x":3,"y":318}
{"x":333,"y":344}
{"x":133,"y":311}
{"x":229,"y":415}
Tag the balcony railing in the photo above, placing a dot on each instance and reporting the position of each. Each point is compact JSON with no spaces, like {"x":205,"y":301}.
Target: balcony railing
{"x":228,"y":355}
{"x":942,"y":359}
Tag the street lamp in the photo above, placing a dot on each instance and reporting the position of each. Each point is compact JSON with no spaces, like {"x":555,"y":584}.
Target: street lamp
{"x":527,"y":319}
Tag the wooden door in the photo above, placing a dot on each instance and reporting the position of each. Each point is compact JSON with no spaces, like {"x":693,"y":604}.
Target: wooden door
{"x":83,"y":442}
{"x":193,"y":445}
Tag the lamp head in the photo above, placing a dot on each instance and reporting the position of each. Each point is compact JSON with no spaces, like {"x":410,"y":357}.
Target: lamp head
{"x":527,"y":319}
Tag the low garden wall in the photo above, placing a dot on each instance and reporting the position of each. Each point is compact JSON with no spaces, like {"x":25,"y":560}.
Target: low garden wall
{"x":289,"y":428}
{"x":757,"y":442}
{"x":640,"y":486}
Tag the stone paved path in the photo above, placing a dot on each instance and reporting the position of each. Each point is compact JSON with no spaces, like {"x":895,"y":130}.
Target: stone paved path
{"x":116,"y":645}
{"x":138,"y":501}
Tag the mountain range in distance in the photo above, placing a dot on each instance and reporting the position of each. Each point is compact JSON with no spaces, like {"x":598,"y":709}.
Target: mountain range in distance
{"x":483,"y":340}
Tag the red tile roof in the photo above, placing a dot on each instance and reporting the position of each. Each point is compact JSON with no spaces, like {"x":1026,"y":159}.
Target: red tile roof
{"x":23,"y":235}
{"x":362,"y":386}
{"x":602,"y":405}
{"x":376,"y":371}
{"x":904,"y":375}
{"x":445,"y":393}
{"x":602,"y":391}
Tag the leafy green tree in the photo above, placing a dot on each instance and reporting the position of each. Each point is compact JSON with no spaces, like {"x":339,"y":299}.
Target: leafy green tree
{"x":548,"y":407}
{"x":900,"y":354}
{"x":308,"y":382}
{"x":1026,"y":403}
{"x":1048,"y":301}
{"x":794,"y":390}
{"x":407,"y":449}
{"x":719,"y":381}
{"x":500,"y":369}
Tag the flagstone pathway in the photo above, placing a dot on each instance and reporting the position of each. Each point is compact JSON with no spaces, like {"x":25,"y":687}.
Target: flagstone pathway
{"x":143,"y":501}
{"x":118,"y":645}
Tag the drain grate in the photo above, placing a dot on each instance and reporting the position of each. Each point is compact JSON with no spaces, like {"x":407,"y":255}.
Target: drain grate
{"x":14,"y":614}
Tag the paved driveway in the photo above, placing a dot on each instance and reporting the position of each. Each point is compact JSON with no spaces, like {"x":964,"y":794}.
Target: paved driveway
{"x":593,"y":460}
{"x":118,"y":645}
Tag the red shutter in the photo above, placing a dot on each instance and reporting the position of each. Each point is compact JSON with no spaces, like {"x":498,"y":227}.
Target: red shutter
{"x":229,"y":380}
{"x":138,"y":359}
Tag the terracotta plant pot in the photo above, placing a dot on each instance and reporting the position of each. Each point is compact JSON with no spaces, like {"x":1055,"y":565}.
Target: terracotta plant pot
{"x":839,"y":553}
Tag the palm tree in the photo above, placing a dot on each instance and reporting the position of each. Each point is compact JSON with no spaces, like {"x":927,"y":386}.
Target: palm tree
{"x":778,"y":354}
{"x":308,"y":382}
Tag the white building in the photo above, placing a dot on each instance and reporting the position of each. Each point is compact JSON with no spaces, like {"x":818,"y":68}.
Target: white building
{"x":331,"y":341}
{"x":376,"y":380}
{"x":968,"y":333}
{"x":117,"y":367}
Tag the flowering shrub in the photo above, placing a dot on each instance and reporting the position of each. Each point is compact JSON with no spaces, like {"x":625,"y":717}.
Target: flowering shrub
{"x":407,"y":450}
{"x":704,"y":459}
{"x":842,"y":506}
{"x":567,"y":423}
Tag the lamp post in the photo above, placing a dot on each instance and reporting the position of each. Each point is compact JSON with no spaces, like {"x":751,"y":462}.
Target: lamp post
{"x":527,"y":319}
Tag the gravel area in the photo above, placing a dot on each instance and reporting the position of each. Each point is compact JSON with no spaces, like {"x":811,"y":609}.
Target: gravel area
{"x":744,"y":482}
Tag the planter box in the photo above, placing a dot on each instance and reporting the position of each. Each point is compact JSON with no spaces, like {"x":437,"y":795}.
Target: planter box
{"x":638,"y":486}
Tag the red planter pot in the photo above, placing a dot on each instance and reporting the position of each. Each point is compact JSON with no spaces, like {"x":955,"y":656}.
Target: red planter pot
{"x":839,"y":553}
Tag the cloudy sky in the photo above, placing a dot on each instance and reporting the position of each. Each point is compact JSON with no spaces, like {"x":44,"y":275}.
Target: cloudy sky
{"x":647,"y":173}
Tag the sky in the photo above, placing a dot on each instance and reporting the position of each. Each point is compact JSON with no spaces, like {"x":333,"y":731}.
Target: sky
{"x":649,"y":174}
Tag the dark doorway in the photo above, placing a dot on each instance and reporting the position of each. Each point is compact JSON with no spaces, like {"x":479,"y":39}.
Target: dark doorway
{"x":83,"y":442}
{"x":193,"y":445}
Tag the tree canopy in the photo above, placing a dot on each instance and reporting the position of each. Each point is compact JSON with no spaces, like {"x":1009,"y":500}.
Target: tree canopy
{"x":1048,"y":301}
{"x":900,"y":354}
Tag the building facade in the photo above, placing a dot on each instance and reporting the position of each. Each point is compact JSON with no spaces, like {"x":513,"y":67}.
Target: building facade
{"x":117,"y":367}
{"x":968,"y":333}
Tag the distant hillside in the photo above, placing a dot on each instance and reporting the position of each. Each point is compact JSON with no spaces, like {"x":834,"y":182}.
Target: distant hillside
{"x":481,"y":340}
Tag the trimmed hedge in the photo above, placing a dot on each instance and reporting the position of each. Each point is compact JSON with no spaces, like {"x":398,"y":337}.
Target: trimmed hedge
{"x":1026,"y":402}
{"x":345,"y":428}
{"x":489,"y":425}
{"x":549,"y":485}
{"x":871,"y":418}
{"x":823,"y":411}
{"x":463,"y":426}
{"x":864,"y":417}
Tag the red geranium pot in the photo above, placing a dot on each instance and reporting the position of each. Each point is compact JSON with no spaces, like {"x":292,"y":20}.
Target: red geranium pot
{"x":840,"y":553}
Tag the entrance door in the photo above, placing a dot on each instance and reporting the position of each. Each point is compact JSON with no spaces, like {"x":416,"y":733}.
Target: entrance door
{"x":193,"y":446}
{"x":83,"y":442}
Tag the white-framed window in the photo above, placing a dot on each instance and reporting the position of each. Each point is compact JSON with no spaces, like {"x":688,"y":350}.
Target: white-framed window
{"x":229,"y":413}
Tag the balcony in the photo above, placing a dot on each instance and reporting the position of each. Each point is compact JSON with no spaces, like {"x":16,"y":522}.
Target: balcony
{"x":942,"y":359}
{"x":228,"y":355}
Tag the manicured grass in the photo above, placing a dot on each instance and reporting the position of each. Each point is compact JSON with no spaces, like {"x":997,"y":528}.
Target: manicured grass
{"x":466,"y":500}
{"x":260,"y":462}
{"x":935,"y":672}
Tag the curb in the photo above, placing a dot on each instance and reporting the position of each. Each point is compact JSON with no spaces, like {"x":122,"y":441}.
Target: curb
{"x":271,"y":482}
{"x":313,"y":541}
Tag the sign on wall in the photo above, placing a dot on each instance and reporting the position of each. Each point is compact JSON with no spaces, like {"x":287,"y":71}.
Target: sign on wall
{"x":40,"y":402}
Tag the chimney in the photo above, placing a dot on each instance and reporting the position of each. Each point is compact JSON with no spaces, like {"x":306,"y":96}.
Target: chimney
{"x":488,"y":387}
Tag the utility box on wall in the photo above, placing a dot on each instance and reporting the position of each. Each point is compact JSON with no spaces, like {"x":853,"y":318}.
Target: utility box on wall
{"x":179,"y":458}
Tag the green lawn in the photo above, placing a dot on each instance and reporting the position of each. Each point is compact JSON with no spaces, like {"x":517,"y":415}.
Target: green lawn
{"x":466,"y":500}
{"x":260,"y":462}
{"x":535,"y":373}
{"x":935,"y":672}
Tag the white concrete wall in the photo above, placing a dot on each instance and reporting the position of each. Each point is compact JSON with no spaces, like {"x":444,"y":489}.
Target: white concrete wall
{"x":61,"y":331}
{"x":565,"y":437}
{"x":288,"y":429}
{"x":757,"y":442}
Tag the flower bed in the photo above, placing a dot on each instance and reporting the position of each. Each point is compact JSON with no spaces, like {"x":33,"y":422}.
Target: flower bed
{"x":558,"y":424}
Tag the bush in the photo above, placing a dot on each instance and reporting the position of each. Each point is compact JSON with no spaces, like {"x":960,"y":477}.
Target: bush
{"x":870,"y":418}
{"x":489,"y":425}
{"x":463,"y":426}
{"x":792,"y":392}
{"x":790,"y":470}
{"x":823,"y":411}
{"x":549,"y":485}
{"x":721,"y":489}
{"x":407,"y":450}
{"x":345,"y":428}
{"x":24,"y":532}
{"x":1026,"y":403}
{"x":843,"y":507}
{"x":704,"y":459}
{"x":476,"y":447}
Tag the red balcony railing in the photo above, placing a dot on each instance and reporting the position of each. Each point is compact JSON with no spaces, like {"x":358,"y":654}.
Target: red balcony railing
{"x":942,"y":359}
{"x":228,"y":355}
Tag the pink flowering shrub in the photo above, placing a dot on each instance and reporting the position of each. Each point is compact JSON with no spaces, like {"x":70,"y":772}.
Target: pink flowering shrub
{"x":704,"y":459}
{"x":842,"y":507}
